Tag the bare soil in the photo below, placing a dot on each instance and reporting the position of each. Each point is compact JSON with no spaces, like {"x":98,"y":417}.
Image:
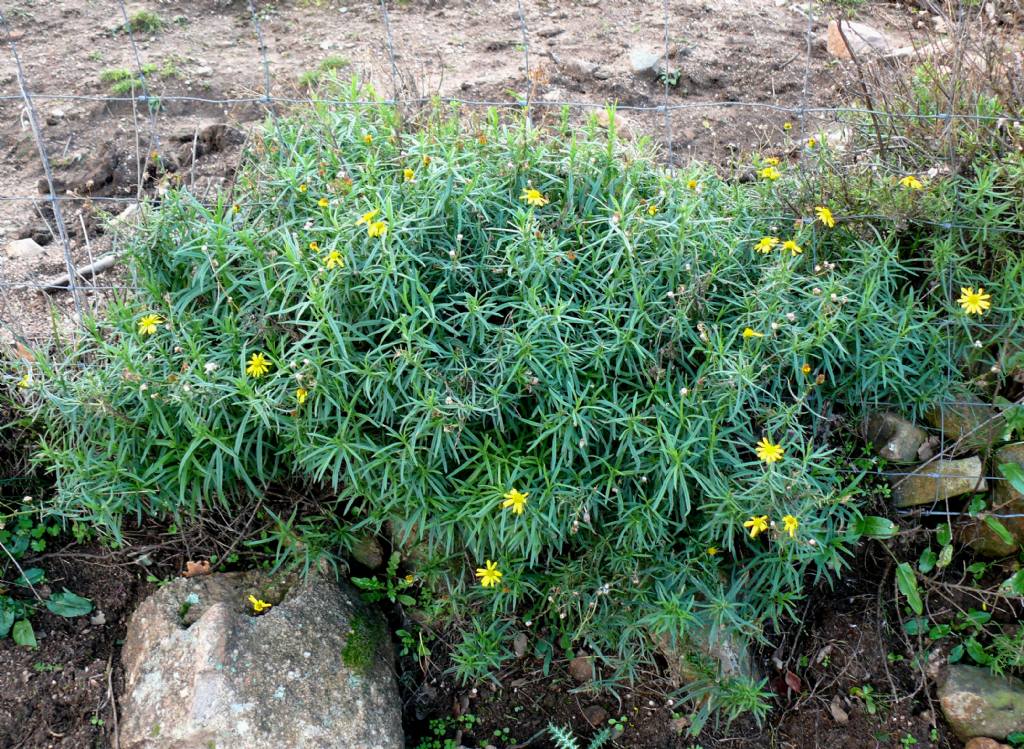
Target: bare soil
{"x":208,"y":68}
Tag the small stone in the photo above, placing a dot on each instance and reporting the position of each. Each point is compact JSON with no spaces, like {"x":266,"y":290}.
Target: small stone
{"x":595,"y":715}
{"x":863,"y":40}
{"x":1005,"y":501}
{"x":368,"y":552}
{"x":973,"y":427}
{"x":519,"y":644}
{"x":644,"y":60}
{"x":98,"y":619}
{"x":985,"y":743}
{"x":622,"y":126}
{"x":978,"y":703}
{"x":24,"y":249}
{"x":680,"y":724}
{"x":581,"y":668}
{"x":938,"y":480}
{"x":893,"y":437}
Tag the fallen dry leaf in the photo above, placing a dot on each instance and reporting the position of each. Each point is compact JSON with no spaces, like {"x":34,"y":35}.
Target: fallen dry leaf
{"x":838,"y":713}
{"x":195,"y":569}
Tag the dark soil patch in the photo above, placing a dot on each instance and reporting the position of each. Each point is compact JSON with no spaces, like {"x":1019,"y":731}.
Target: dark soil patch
{"x":61,"y":694}
{"x":846,"y":643}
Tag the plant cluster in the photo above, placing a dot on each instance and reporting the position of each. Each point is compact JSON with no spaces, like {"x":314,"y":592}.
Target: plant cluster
{"x":594,"y":394}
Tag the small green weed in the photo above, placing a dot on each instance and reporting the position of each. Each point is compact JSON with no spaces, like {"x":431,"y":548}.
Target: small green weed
{"x":145,"y":22}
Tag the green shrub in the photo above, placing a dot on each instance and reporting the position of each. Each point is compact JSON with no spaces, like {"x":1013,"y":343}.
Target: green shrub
{"x":616,"y":351}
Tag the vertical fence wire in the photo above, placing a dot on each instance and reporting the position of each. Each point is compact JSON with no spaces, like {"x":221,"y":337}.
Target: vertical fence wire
{"x":153,"y":152}
{"x":51,"y":198}
{"x":667,"y":100}
{"x":390,"y":43}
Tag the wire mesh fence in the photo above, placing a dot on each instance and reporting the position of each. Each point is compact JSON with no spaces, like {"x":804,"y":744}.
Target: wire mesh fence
{"x":90,"y":277}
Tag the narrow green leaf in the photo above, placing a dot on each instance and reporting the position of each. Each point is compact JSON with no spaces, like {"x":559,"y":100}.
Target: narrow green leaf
{"x":907,"y":583}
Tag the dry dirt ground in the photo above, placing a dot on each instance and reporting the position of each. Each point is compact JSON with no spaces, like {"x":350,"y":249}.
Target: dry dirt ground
{"x":746,"y":51}
{"x":102,"y":152}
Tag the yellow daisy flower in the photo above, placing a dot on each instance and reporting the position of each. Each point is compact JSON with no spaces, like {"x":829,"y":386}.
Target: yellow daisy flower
{"x":367,"y":217}
{"x":258,"y":365}
{"x":257,"y":605}
{"x":751,"y":333}
{"x":652,"y":210}
{"x":149,"y":323}
{"x":806,"y":369}
{"x":377,"y":228}
{"x":825,"y":216}
{"x":792,"y":246}
{"x":712,"y":551}
{"x":766,"y":245}
{"x":533,"y":197}
{"x":769,"y":173}
{"x":516,"y":500}
{"x":301,"y":394}
{"x":911,"y":182}
{"x":789,"y":525}
{"x":334,"y":260}
{"x":489,"y":574}
{"x":367,"y":139}
{"x":757,"y":524}
{"x":769,"y":452}
{"x":302,"y":187}
{"x":408,"y":175}
{"x":323,"y":202}
{"x":974,"y":302}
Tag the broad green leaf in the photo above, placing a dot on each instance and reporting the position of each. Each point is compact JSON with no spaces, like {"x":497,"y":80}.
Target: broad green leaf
{"x":31,"y":576}
{"x":23,"y":634}
{"x":977,"y":652}
{"x":945,"y":556}
{"x":1014,"y":474}
{"x":927,"y":561}
{"x":915,"y":626}
{"x":873,"y":526}
{"x":68,"y":604}
{"x":907,"y":584}
{"x":944,"y":535}
{"x":6,"y":620}
{"x":1000,"y":530}
{"x":1014,"y":585}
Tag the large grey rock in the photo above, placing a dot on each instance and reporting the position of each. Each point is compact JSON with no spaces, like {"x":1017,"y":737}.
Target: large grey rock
{"x":730,"y":653}
{"x":976,"y":703}
{"x":938,"y":480}
{"x":1005,"y":501}
{"x":863,"y":40}
{"x":893,"y":437}
{"x":201,"y":670}
{"x":24,"y":249}
{"x":972,"y":427}
{"x":645,"y":60}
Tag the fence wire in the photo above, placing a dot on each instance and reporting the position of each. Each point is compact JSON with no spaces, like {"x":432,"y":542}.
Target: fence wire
{"x":77,"y":283}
